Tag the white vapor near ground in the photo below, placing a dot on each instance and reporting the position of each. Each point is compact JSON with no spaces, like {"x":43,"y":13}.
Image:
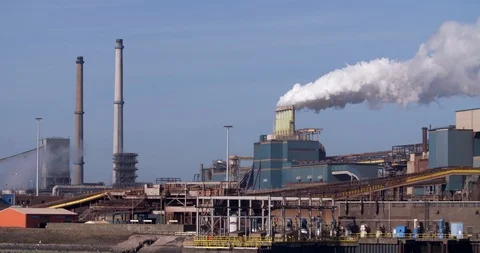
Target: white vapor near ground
{"x":447,"y":65}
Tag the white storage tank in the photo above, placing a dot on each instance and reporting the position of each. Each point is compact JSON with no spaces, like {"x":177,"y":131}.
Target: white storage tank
{"x":233,"y":223}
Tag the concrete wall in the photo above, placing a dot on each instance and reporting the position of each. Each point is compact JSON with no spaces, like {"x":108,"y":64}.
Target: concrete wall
{"x":392,"y":214}
{"x":158,"y":229}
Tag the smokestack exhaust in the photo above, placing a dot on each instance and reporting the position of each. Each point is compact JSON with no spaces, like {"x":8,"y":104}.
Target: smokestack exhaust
{"x":118,"y":103}
{"x":424,"y":140}
{"x":422,"y":79}
{"x":78,"y":145}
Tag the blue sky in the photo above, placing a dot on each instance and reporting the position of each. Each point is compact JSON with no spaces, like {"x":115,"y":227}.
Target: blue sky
{"x":193,"y":66}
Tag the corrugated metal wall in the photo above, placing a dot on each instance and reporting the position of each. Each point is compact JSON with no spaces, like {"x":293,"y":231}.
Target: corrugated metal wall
{"x":450,"y":148}
{"x":327,"y":248}
{"x":301,"y":151}
{"x":377,"y":248}
{"x":455,"y":183}
{"x":453,"y":246}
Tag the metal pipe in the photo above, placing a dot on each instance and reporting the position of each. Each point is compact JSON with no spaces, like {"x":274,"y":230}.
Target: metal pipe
{"x":57,"y":188}
{"x":424,"y":139}
{"x":14,"y":189}
{"x":78,"y":162}
{"x":197,"y":220}
{"x":38,"y":147}
{"x":228,"y":152}
{"x":118,"y":103}
{"x":268,"y":198}
{"x":270,"y":216}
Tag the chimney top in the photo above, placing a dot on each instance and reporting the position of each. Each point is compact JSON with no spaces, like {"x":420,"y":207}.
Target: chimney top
{"x":79,"y":60}
{"x":119,"y":44}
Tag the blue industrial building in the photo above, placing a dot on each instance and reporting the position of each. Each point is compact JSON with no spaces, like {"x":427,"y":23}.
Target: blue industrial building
{"x":279,"y":163}
{"x":451,"y":147}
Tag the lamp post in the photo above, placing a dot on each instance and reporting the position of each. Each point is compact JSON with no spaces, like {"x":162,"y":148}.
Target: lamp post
{"x":38,"y":146}
{"x":14,"y":189}
{"x":228,"y":152}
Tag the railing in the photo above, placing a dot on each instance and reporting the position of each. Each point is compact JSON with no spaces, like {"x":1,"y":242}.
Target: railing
{"x":85,"y":214}
{"x":257,"y":242}
{"x":229,"y":242}
{"x":422,"y":236}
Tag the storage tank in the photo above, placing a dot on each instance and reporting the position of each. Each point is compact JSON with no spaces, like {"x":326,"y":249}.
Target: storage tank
{"x":233,"y":223}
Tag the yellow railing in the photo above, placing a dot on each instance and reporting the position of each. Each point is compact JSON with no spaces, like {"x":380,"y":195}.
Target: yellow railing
{"x":229,"y":242}
{"x":257,"y":242}
{"x":424,"y":236}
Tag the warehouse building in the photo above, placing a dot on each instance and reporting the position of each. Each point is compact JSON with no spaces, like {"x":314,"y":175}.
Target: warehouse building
{"x":17,"y":217}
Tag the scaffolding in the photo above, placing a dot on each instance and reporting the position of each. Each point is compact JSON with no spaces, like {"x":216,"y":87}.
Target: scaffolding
{"x":263,"y":217}
{"x":125,"y":169}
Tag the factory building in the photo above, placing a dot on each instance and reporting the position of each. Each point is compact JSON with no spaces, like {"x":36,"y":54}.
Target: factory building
{"x":292,"y":156}
{"x":17,"y":217}
{"x":289,"y":156}
{"x":454,"y":146}
{"x":55,"y":166}
{"x":470,"y":120}
{"x":19,"y":171}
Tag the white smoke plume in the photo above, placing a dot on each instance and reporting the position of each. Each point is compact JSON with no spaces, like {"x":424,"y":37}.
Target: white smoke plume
{"x":447,"y":65}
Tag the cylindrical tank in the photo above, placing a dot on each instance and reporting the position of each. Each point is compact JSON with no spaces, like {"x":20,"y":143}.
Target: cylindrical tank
{"x":6,"y":191}
{"x":233,"y":223}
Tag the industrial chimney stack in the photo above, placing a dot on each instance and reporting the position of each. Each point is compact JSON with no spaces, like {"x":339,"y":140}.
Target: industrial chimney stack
{"x":118,"y":103}
{"x":424,"y":141}
{"x":78,"y":162}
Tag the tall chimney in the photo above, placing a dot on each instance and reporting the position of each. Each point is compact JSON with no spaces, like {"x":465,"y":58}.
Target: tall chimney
{"x":118,"y":102}
{"x":78,"y":145}
{"x":424,"y":140}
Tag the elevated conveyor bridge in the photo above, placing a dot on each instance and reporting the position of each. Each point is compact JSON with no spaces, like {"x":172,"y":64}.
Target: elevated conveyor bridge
{"x":351,"y":189}
{"x":74,"y":201}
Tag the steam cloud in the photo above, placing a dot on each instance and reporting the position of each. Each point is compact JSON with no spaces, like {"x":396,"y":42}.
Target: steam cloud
{"x":447,"y":65}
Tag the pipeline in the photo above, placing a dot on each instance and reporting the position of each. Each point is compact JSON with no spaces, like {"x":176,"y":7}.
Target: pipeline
{"x":57,"y":188}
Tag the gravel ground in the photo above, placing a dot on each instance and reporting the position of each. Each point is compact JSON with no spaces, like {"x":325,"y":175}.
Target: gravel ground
{"x":44,"y":236}
{"x":30,"y":240}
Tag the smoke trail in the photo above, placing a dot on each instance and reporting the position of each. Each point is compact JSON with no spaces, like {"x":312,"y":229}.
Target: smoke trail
{"x":448,"y":64}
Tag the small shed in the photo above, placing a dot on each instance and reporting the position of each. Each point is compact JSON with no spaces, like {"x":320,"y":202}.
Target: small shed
{"x":34,"y":217}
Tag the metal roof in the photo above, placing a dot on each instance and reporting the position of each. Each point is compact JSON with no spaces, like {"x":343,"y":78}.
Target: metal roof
{"x":42,"y":211}
{"x":465,"y":110}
